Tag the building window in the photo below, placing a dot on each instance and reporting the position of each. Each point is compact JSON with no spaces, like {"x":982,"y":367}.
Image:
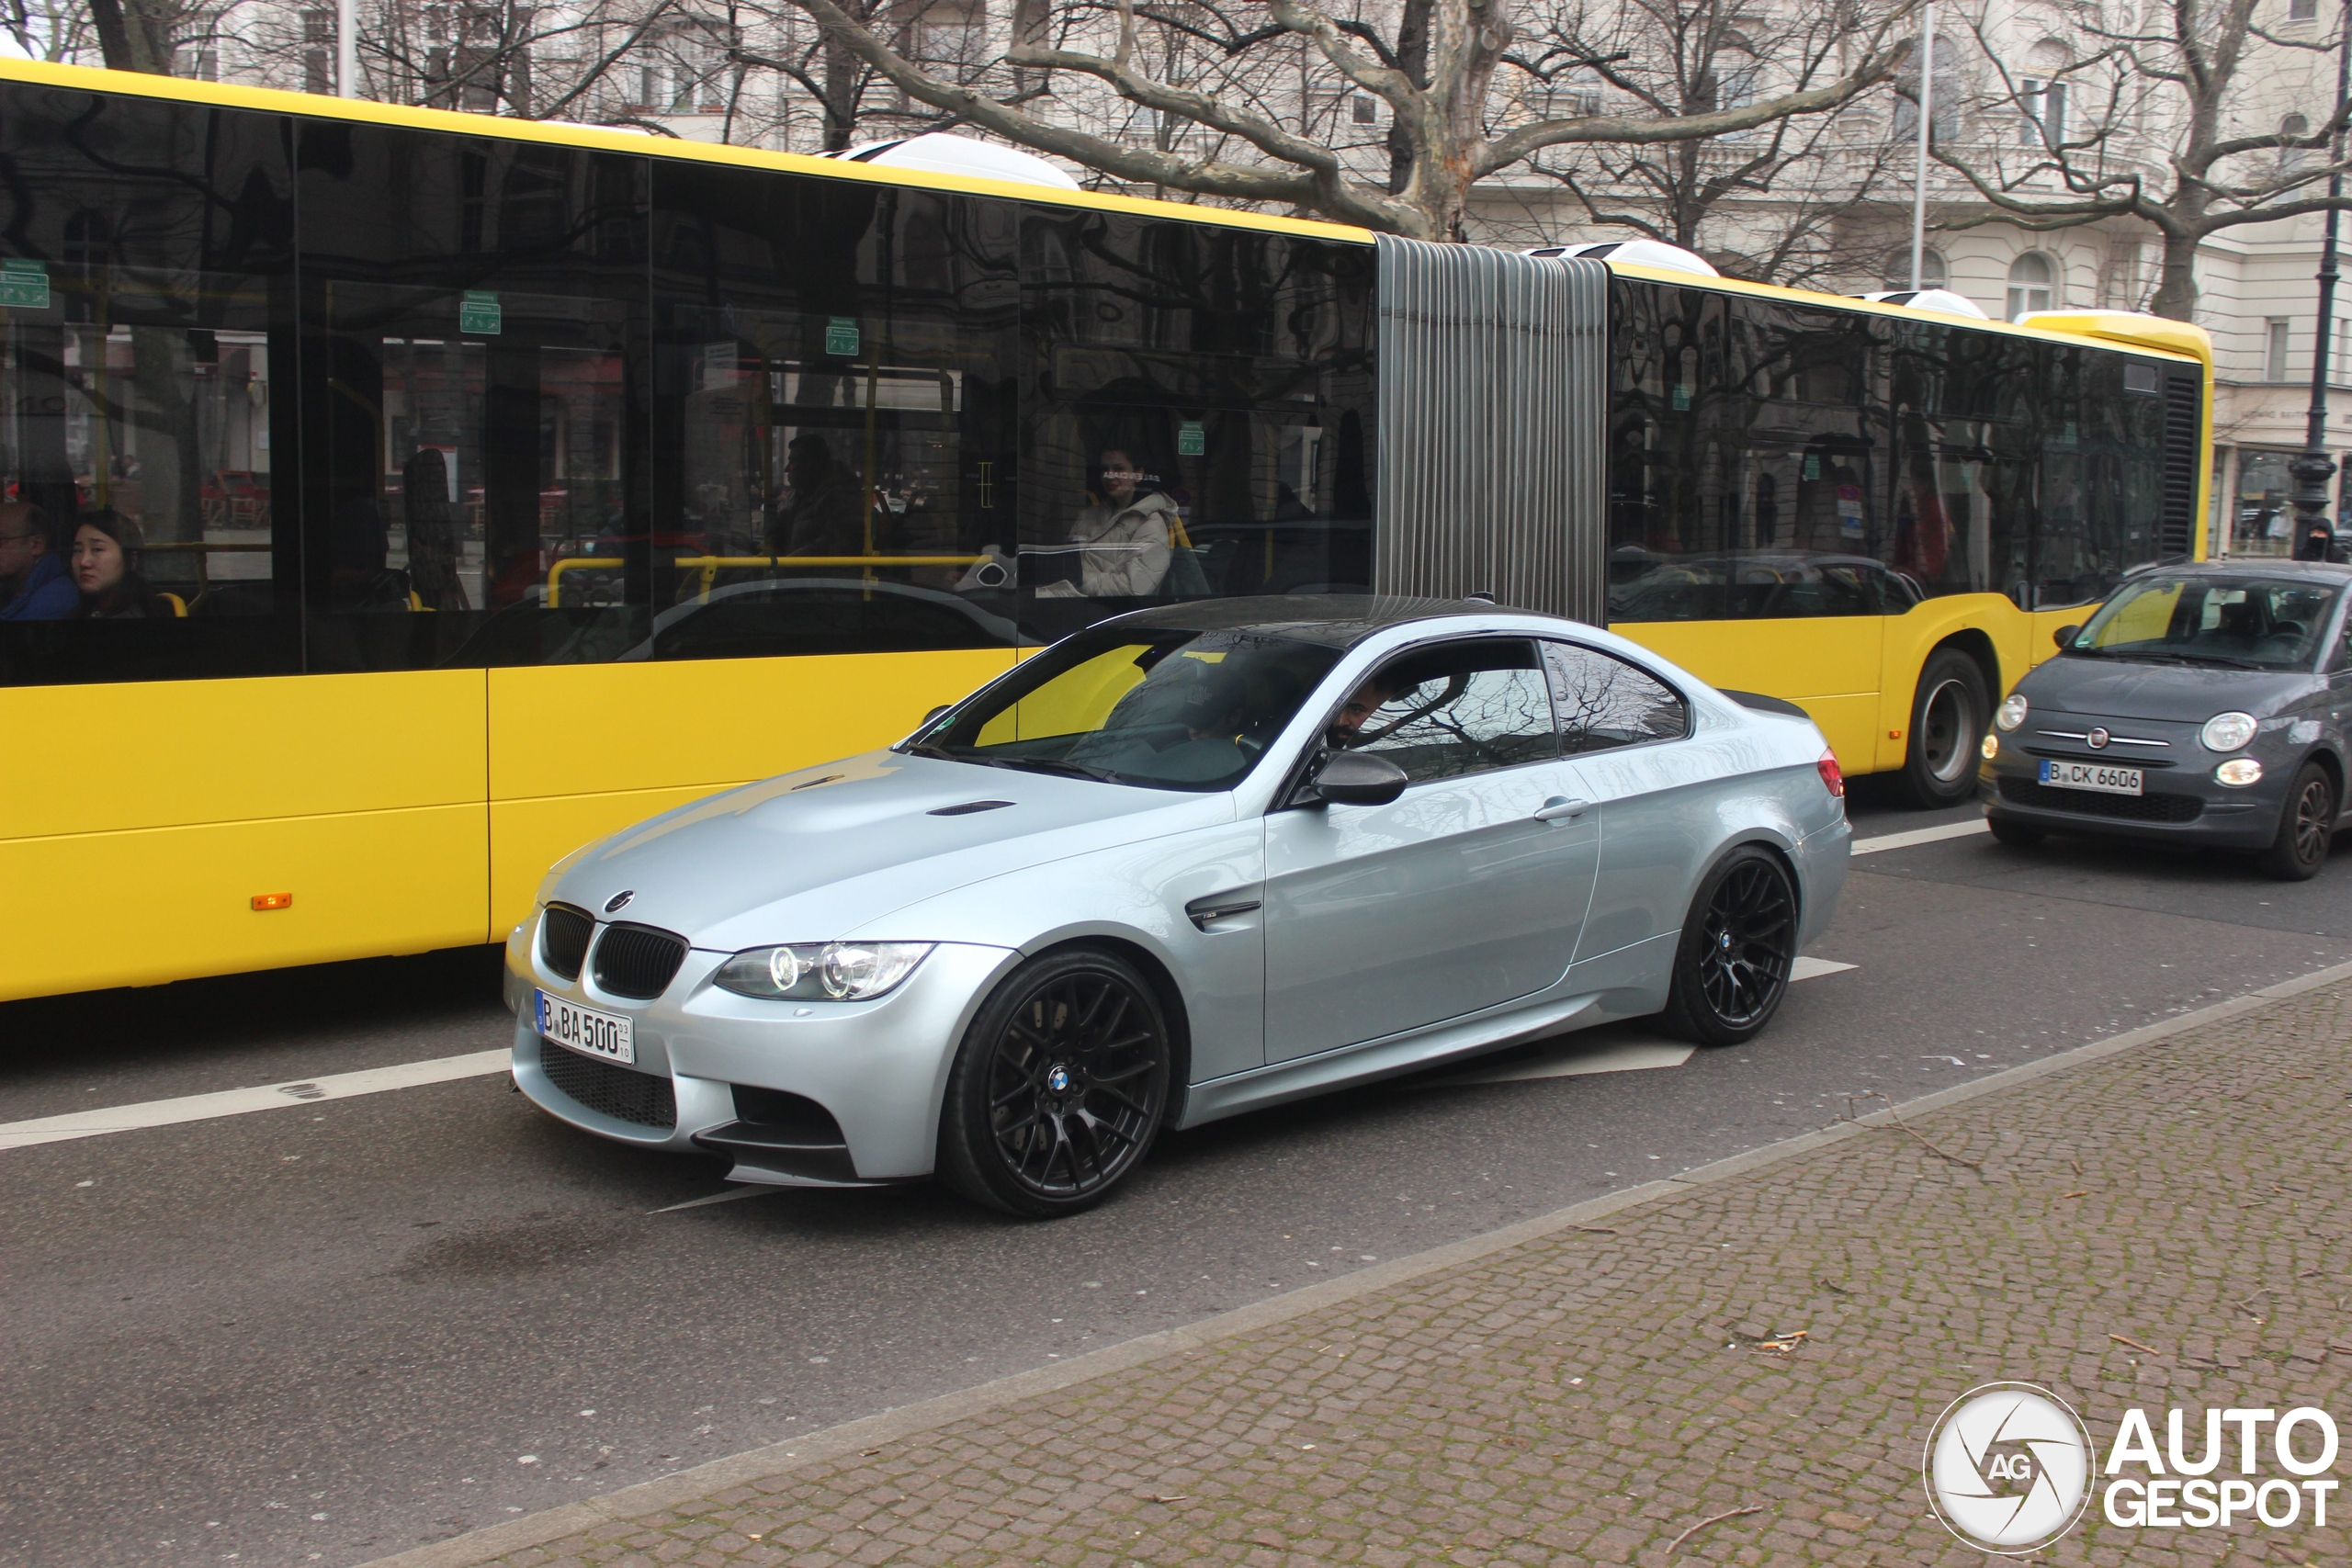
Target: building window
{"x":2033,"y":281}
{"x":2302,"y":10}
{"x":1933,"y":273}
{"x":1363,"y":109}
{"x":2274,"y":349}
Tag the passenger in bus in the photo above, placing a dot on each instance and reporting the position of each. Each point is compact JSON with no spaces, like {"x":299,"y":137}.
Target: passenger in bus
{"x":35,"y":584}
{"x":825,"y":515}
{"x":1125,"y":537}
{"x":108,"y":549}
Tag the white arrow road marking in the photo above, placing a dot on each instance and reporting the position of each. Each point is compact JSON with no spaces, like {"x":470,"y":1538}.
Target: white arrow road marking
{"x":239,"y":1101}
{"x":1627,"y":1047}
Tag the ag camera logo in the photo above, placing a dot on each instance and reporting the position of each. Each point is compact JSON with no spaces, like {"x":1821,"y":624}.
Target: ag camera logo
{"x":2008,"y":1468}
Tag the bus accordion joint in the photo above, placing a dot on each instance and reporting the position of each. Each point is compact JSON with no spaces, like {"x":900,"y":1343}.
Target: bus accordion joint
{"x":263,"y":901}
{"x":1831,"y":774}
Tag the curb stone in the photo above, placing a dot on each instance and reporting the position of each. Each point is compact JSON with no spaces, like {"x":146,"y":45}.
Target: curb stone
{"x":683,"y":1486}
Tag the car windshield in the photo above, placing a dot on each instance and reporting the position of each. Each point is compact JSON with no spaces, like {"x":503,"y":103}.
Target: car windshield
{"x":1166,"y":709}
{"x":2244,"y":622}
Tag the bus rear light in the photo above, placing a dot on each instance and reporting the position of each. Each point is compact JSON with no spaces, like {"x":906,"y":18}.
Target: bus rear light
{"x":273,"y":900}
{"x":1831,"y":774}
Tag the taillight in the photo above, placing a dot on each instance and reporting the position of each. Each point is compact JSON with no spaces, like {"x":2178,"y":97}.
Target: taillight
{"x":1831,"y":776}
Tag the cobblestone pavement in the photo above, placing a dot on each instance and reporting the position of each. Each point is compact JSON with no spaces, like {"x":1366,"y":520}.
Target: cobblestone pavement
{"x":2164,"y":1226}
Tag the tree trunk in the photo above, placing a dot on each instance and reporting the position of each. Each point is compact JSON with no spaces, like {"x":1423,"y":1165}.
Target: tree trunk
{"x":2175,"y":295}
{"x":1413,"y":59}
{"x":131,"y":36}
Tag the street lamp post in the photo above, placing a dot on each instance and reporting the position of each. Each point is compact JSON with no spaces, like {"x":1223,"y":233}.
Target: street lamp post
{"x":2314,"y":467}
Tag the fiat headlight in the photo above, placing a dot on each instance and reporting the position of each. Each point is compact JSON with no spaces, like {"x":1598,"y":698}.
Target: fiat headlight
{"x":2012,"y":711}
{"x":2227,"y":731}
{"x":2239,"y":771}
{"x":1991,"y":749}
{"x":821,"y":971}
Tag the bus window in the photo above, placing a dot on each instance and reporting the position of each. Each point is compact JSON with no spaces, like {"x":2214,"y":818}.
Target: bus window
{"x":2102,"y":478}
{"x":1204,"y":423}
{"x":832,"y":406}
{"x":140,"y":537}
{"x":468,"y":313}
{"x":1744,"y":460}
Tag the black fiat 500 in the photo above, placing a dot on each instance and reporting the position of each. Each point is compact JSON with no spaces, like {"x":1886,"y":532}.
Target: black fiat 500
{"x":2205,"y":705}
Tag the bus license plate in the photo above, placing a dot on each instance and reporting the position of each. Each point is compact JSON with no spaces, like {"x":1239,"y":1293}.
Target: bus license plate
{"x":2094,"y":776}
{"x":584,"y":1029}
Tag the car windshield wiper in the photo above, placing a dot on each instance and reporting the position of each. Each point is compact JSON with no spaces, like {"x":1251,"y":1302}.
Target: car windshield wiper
{"x":1050,"y":765}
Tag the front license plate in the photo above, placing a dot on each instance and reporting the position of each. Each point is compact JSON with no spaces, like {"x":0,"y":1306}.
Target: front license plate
{"x":584,"y":1029}
{"x":2097,"y":777}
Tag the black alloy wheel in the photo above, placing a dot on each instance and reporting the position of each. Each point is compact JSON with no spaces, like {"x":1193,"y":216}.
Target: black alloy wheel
{"x":2306,"y":827}
{"x":1950,"y":712}
{"x":1059,"y":1087}
{"x":1738,"y":946}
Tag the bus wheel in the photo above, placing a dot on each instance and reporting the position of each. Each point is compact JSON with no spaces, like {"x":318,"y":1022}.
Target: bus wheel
{"x":1947,"y":718}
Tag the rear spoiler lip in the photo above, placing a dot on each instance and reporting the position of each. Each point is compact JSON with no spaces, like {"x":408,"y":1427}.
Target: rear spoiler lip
{"x":1762,"y":703}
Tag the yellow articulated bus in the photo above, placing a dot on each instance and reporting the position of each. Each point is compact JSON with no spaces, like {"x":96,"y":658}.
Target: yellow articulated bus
{"x":391,"y":500}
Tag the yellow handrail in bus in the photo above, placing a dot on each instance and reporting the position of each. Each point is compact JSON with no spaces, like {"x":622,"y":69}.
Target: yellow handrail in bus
{"x":711,"y":566}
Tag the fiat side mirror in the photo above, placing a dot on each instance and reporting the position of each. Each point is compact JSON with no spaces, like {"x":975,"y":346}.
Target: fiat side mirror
{"x":2064,"y":635}
{"x":1359,"y":778}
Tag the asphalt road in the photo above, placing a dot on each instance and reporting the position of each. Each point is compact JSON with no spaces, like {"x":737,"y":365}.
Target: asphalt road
{"x":331,"y":1331}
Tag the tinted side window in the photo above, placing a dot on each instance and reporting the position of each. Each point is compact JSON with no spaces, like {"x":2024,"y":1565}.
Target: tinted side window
{"x":1604,"y":701}
{"x":1198,"y":415}
{"x":1462,"y":708}
{"x":1746,"y":459}
{"x":146,"y":266}
{"x":472,"y":341}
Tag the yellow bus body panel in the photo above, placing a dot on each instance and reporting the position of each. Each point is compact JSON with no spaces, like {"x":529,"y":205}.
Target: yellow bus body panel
{"x":1828,"y":666}
{"x":580,"y":750}
{"x":143,"y":818}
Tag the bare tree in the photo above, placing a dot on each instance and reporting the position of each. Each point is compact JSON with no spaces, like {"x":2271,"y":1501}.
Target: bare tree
{"x":2169,"y":118}
{"x":1776,"y":203}
{"x":1431,"y":62}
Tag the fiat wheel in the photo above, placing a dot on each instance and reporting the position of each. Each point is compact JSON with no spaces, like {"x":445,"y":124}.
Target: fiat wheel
{"x":2306,"y":827}
{"x":1739,"y":943}
{"x":1058,"y":1088}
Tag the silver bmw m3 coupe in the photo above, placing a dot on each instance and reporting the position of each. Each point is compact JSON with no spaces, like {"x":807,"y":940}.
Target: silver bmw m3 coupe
{"x":1189,"y":862}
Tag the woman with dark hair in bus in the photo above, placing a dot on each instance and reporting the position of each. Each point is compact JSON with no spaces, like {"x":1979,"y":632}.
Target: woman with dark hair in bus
{"x":106,"y":550}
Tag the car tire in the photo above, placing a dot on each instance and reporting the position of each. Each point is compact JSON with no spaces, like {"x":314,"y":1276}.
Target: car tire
{"x":2306,"y":827}
{"x":1059,"y":1087}
{"x":2015,"y":834}
{"x":1950,"y":713}
{"x":1738,"y":946}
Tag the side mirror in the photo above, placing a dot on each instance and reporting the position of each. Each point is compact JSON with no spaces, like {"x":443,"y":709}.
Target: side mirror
{"x":1359,"y":778}
{"x":2064,"y":635}
{"x":932,"y":714}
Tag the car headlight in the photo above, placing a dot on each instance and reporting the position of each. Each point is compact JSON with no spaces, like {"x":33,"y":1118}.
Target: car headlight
{"x":821,"y":971}
{"x":2239,"y":771}
{"x":2228,"y":731}
{"x":2011,"y":712}
{"x":1992,"y":746}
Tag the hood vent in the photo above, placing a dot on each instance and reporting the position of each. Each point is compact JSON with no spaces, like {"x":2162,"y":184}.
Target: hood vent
{"x":967,"y":809}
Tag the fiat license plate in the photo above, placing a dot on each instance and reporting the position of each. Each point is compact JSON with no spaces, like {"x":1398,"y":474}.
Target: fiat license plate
{"x":2097,"y":777}
{"x":584,"y":1029}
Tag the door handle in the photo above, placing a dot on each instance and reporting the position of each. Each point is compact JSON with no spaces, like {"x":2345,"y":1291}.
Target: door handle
{"x":1559,"y":808}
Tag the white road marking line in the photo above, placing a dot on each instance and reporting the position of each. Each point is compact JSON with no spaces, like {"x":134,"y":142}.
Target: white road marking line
{"x":238,"y":1101}
{"x":1917,"y":836}
{"x":1569,"y":1061}
{"x":759,"y":1189}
